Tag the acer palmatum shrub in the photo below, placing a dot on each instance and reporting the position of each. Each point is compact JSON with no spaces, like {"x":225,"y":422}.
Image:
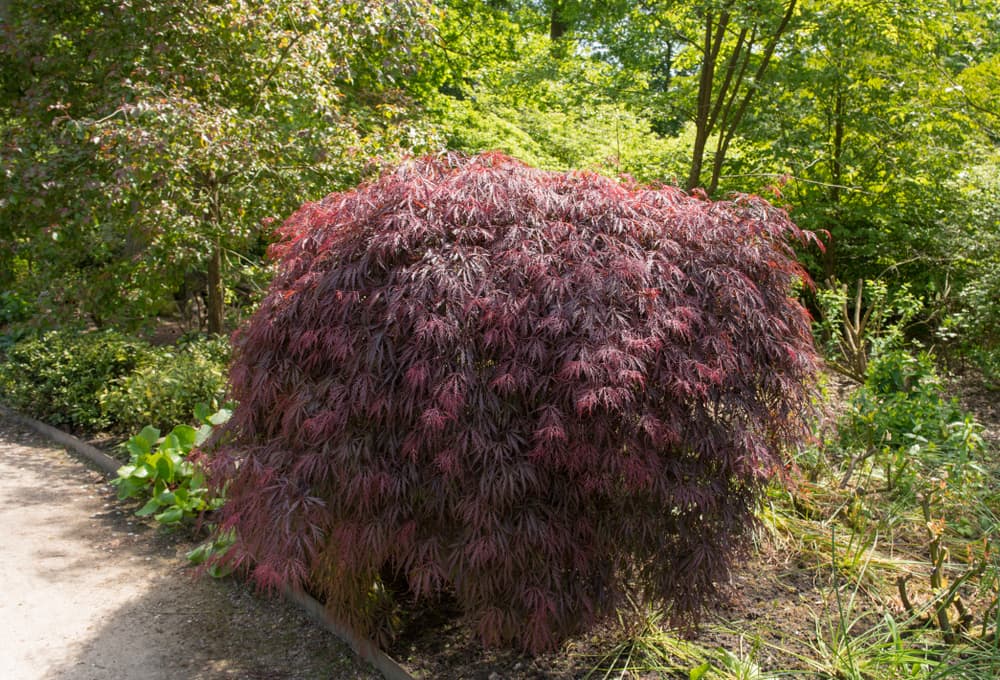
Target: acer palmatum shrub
{"x":533,"y":391}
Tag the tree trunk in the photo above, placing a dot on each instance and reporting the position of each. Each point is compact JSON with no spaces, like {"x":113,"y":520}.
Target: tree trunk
{"x":702,"y":115}
{"x":558,"y":23}
{"x":714,"y":34}
{"x":215,"y":291}
{"x":722,"y":111}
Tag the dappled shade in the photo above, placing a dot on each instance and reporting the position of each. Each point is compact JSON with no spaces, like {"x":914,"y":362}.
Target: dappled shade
{"x":531,"y":390}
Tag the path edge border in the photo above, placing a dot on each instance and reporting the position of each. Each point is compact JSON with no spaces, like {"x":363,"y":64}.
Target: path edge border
{"x":102,"y":460}
{"x":310,"y":606}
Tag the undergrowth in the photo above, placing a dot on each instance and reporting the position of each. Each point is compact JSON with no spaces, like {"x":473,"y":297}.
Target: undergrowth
{"x":166,"y":473}
{"x":894,"y":522}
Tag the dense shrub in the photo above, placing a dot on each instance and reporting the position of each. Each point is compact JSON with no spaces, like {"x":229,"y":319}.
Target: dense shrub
{"x":60,"y":375}
{"x":974,"y":329}
{"x":14,"y":308}
{"x":166,"y":389}
{"x":530,"y":390}
{"x":104,"y":380}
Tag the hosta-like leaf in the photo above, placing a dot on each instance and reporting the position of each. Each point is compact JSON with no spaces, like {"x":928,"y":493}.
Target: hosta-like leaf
{"x":151,"y":506}
{"x":170,"y":516}
{"x":185,"y":436}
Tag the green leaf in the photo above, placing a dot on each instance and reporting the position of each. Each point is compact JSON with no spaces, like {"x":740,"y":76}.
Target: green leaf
{"x":699,"y":672}
{"x":149,"y":435}
{"x":170,"y":444}
{"x":151,"y":506}
{"x":204,"y":432}
{"x":221,"y":416}
{"x":217,"y":571}
{"x":170,"y":516}
{"x":202,"y":412}
{"x":124,"y":471}
{"x":200,"y":554}
{"x":165,"y":468}
{"x":138,"y":447}
{"x":128,"y":488}
{"x":186,"y":437}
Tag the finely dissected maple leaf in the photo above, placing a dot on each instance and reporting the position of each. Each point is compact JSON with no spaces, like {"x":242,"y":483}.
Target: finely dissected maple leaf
{"x":533,"y":391}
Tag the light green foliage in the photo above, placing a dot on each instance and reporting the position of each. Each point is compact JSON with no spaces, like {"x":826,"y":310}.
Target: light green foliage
{"x":169,"y":385}
{"x":868,"y":129}
{"x":857,"y":326}
{"x":505,"y":85}
{"x":973,"y":327}
{"x":979,"y":87}
{"x":915,"y":435}
{"x":59,"y":376}
{"x":159,"y":470}
{"x":701,"y":67}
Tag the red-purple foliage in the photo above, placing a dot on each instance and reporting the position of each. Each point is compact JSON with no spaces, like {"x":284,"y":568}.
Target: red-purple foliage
{"x":531,"y":390}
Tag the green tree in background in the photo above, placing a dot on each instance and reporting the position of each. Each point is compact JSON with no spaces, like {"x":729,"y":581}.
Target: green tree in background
{"x":705,"y":65}
{"x":504,"y":83}
{"x":146,"y":146}
{"x":860,"y":121}
{"x":149,"y":141}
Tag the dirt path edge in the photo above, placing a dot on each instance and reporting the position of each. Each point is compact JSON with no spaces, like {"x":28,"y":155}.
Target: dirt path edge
{"x":106,"y":463}
{"x":365,"y":649}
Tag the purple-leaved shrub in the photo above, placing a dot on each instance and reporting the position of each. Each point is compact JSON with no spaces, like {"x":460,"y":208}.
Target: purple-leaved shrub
{"x":534,"y":391}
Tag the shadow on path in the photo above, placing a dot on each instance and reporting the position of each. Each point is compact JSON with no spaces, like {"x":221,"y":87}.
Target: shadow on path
{"x":93,"y":593}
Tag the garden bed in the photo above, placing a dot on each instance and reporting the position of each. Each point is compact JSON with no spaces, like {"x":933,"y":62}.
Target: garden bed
{"x":809,"y":591}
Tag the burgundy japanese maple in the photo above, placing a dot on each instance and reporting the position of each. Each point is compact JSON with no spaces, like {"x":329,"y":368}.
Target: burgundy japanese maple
{"x":531,"y":390}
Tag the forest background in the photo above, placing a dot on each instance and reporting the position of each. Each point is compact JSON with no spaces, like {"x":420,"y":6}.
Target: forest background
{"x":149,"y":148}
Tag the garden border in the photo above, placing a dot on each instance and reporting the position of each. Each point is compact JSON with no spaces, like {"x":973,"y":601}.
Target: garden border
{"x":364,"y":649}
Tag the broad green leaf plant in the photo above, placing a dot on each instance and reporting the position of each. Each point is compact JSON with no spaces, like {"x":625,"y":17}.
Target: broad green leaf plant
{"x":159,"y":469}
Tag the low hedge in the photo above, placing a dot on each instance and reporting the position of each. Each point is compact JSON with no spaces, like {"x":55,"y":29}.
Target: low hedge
{"x":166,"y":390}
{"x":108,"y":381}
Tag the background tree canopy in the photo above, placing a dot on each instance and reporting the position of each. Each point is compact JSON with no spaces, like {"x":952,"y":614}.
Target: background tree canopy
{"x":148,"y":147}
{"x":145,"y":142}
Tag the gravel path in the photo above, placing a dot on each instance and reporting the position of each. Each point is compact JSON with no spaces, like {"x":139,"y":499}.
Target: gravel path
{"x":92,"y":593}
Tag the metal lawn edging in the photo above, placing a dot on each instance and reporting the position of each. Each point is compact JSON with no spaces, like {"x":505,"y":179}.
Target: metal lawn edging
{"x":102,"y":460}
